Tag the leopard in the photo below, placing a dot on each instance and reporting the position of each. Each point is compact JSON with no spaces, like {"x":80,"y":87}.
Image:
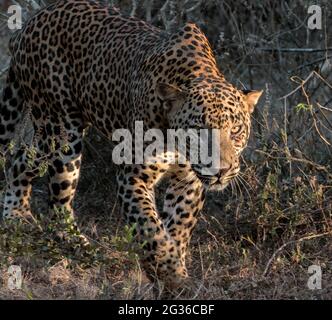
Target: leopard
{"x":80,"y":64}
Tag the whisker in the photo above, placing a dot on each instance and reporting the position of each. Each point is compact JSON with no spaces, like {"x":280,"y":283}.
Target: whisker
{"x":244,"y":186}
{"x":245,"y":182}
{"x":238,"y":187}
{"x":234,"y":190}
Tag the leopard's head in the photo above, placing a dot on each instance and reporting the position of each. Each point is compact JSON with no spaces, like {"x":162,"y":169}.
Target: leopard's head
{"x":212,"y":104}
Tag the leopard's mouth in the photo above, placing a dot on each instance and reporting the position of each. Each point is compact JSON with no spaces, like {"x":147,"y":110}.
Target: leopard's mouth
{"x":214,"y":183}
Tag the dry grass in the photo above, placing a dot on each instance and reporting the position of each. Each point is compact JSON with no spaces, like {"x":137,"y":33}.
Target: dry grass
{"x":255,"y":242}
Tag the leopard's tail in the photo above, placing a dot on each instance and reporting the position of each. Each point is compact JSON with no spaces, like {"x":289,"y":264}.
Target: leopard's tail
{"x":11,"y":109}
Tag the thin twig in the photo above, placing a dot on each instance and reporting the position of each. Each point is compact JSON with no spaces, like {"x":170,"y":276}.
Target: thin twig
{"x":311,"y":63}
{"x":134,"y":8}
{"x":324,"y":108}
{"x":163,"y":14}
{"x":3,"y":71}
{"x":296,"y":50}
{"x":33,"y":4}
{"x":315,"y":236}
{"x":303,"y":82}
{"x":291,"y":158}
{"x":148,"y":10}
{"x":194,"y":6}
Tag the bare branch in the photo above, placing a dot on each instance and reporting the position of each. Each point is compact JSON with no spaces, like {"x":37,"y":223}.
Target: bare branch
{"x":315,"y":236}
{"x":171,"y":19}
{"x":311,"y":63}
{"x":324,"y":108}
{"x":148,"y":9}
{"x":134,"y":7}
{"x":296,"y":50}
{"x":194,"y":6}
{"x":33,"y":4}
{"x":163,"y":14}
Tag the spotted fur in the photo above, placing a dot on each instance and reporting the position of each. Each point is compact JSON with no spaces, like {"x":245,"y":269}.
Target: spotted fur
{"x":77,"y":64}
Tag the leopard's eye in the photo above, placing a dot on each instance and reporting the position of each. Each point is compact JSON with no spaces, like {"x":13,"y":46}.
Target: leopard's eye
{"x":236,"y":129}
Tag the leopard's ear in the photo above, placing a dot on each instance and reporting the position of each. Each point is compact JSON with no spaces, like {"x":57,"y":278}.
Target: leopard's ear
{"x":173,"y":96}
{"x":252,"y":98}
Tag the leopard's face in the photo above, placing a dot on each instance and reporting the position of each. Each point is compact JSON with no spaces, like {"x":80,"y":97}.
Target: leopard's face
{"x":219,"y":106}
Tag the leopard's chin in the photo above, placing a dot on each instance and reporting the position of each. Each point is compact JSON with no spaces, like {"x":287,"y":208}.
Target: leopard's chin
{"x":218,"y":186}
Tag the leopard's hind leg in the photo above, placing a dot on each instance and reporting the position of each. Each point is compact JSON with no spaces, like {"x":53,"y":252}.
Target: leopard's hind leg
{"x":21,"y":171}
{"x":11,"y":108}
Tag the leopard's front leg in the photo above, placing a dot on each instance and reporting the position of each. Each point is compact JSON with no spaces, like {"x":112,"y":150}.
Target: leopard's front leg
{"x":162,"y":256}
{"x":184,"y":200}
